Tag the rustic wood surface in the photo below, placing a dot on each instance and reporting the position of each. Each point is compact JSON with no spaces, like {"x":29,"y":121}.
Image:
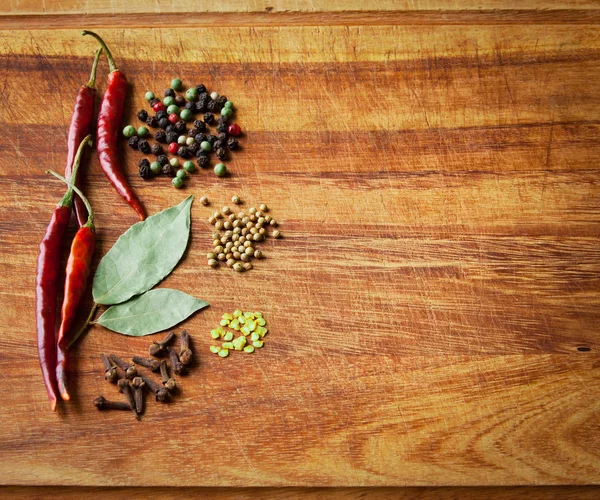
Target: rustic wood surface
{"x":434,"y":304}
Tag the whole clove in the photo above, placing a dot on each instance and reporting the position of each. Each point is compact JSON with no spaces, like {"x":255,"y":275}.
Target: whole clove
{"x":185,"y":353}
{"x":125,"y":388}
{"x":167,"y":381}
{"x":104,"y":404}
{"x":176,"y":365}
{"x":150,"y":363}
{"x":159,"y":348}
{"x":138,"y":394}
{"x":129,"y":369}
{"x":160,"y":392}
{"x":110,"y":370}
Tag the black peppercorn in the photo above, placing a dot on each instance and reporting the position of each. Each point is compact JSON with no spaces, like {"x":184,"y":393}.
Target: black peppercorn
{"x":145,"y":172}
{"x":221,"y":128}
{"x":169,"y":93}
{"x":221,"y":100}
{"x":222,"y":136}
{"x":193,"y":148}
{"x":200,"y":125}
{"x":191,"y":106}
{"x":142,"y":115}
{"x":184,"y":152}
{"x":212,"y":139}
{"x":193,"y":132}
{"x":144,"y":146}
{"x":162,"y":159}
{"x":221,"y":153}
{"x":157,"y":149}
{"x":163,"y":123}
{"x":209,"y":118}
{"x":143,"y":161}
{"x":161,"y":114}
{"x":160,"y":136}
{"x":168,"y":170}
{"x":154,"y":101}
{"x":170,"y":128}
{"x":213,"y":106}
{"x":201,"y":89}
{"x":171,"y":137}
{"x":218,"y":144}
{"x":201,"y":152}
{"x":180,"y":100}
{"x":152,"y":122}
{"x":203,"y":161}
{"x":232,"y":143}
{"x":133,"y":142}
{"x":180,"y":127}
{"x":199,"y":138}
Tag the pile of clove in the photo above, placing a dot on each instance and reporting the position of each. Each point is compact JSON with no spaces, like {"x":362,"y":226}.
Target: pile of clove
{"x":133,"y":384}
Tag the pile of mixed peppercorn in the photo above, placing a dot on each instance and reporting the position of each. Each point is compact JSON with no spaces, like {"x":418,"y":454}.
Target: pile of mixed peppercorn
{"x":171,"y":118}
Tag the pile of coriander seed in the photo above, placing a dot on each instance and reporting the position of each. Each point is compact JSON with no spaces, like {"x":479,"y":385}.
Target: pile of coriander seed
{"x":237,"y":234}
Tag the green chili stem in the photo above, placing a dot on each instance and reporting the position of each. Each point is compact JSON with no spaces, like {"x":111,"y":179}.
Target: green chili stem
{"x":87,"y":323}
{"x":67,"y":199}
{"x":90,"y":221}
{"x":97,"y":53}
{"x":111,"y":61}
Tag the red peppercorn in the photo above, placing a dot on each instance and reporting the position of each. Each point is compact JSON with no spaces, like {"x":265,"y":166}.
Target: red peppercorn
{"x":234,"y":130}
{"x":173,"y":118}
{"x":159,"y":106}
{"x":173,"y":147}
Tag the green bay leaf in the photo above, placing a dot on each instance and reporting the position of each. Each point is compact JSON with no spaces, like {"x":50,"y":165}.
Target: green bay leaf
{"x":143,"y":255}
{"x":151,"y":312}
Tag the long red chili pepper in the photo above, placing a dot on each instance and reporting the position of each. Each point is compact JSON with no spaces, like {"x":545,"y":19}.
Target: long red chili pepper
{"x":109,"y":123}
{"x":81,"y":124}
{"x":78,"y":270}
{"x":46,"y":285}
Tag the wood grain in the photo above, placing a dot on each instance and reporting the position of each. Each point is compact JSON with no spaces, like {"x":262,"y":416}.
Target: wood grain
{"x":437,"y":187}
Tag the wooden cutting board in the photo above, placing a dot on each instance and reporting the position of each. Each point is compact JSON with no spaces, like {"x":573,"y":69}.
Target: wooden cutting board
{"x":434,"y":303}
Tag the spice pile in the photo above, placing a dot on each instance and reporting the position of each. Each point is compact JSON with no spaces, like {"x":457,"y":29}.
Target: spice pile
{"x":235,"y":246}
{"x":171,"y":118}
{"x":131,"y":383}
{"x":250,"y":324}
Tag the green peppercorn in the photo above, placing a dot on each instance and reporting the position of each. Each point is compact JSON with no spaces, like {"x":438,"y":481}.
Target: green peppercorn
{"x":220,"y":170}
{"x":129,"y":131}
{"x":205,"y":146}
{"x":191,"y":94}
{"x":177,"y":182}
{"x":176,"y":84}
{"x":226,"y":112}
{"x":186,"y":115}
{"x":169,"y":100}
{"x":156,"y":167}
{"x":181,"y":174}
{"x":173,"y":109}
{"x":149,"y":96}
{"x":228,"y":104}
{"x":174,"y":162}
{"x":189,"y":166}
{"x":142,"y":131}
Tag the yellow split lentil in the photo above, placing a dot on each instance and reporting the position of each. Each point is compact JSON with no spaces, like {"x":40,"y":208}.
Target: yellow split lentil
{"x":249,"y":324}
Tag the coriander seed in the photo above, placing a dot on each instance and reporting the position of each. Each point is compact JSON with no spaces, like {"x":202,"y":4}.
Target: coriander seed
{"x":264,"y":207}
{"x":218,"y":215}
{"x":244,"y":257}
{"x":216,"y":235}
{"x":237,"y":255}
{"x":204,"y":200}
{"x":230,"y":262}
{"x":249,"y":250}
{"x":252,"y":210}
{"x":238,"y":267}
{"x":213,"y":263}
{"x":219,"y":249}
{"x":262,"y":231}
{"x":216,"y":242}
{"x":211,"y":255}
{"x":257,"y":237}
{"x":226,"y":210}
{"x":219,"y":224}
{"x":227,"y":225}
{"x":268,"y":218}
{"x":212,"y":220}
{"x":248,"y":266}
{"x":221,"y":257}
{"x":258,"y":254}
{"x":236,"y":199}
{"x":276,"y":234}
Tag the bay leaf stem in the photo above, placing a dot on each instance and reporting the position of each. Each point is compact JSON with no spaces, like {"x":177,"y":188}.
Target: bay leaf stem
{"x":85,"y":326}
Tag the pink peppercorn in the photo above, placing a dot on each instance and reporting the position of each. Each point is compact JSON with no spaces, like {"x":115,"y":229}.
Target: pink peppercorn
{"x":159,"y":106}
{"x":173,"y":118}
{"x":234,"y":130}
{"x":173,"y":147}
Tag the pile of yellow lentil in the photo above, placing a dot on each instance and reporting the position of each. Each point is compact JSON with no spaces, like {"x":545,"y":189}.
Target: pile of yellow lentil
{"x":251,"y":325}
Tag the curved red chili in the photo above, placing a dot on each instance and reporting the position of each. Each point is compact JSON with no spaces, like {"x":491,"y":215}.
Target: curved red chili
{"x":81,"y":124}
{"x":46,"y":289}
{"x":109,"y":123}
{"x":78,"y":271}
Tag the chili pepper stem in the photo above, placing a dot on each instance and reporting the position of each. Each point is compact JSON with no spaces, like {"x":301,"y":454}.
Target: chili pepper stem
{"x":92,"y":83}
{"x":85,"y":326}
{"x":111,"y":61}
{"x":90,"y":221}
{"x":67,"y":199}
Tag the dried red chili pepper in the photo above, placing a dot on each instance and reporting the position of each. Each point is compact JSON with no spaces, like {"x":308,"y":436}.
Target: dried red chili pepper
{"x":81,"y":123}
{"x":48,"y":268}
{"x":78,"y":270}
{"x":109,"y":123}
